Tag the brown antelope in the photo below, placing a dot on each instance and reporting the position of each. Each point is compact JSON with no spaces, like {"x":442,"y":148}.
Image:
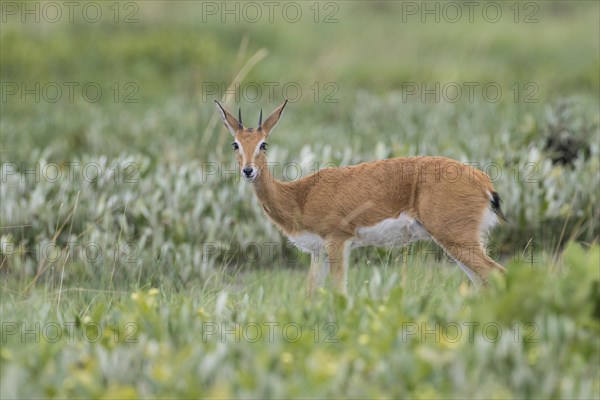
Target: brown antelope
{"x":387,"y":203}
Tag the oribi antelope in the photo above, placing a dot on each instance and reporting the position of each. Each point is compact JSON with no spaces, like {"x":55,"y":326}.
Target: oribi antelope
{"x":385,"y":203}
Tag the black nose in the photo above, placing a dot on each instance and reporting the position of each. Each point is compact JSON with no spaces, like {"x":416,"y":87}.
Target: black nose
{"x":247,"y":171}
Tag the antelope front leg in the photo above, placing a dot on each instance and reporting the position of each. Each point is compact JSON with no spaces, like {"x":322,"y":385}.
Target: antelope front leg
{"x":337,"y":255}
{"x":319,"y":268}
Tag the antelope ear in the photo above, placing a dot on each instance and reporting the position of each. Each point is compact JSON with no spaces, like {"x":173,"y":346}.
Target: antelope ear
{"x":232,"y":124}
{"x":272,"y":119}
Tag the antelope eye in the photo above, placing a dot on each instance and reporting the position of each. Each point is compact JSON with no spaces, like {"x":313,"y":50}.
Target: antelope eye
{"x":235,"y":146}
{"x":263,"y":146}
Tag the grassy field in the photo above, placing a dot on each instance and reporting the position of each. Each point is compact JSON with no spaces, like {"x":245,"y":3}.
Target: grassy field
{"x":134,"y":263}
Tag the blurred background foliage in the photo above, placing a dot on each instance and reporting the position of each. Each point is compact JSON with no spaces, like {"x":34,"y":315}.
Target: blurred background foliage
{"x":157,"y":73}
{"x":175,"y":48}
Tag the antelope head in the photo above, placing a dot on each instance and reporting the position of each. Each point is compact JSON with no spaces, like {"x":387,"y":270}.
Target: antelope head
{"x":249,"y":144}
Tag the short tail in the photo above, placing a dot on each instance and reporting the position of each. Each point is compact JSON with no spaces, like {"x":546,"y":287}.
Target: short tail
{"x":495,"y":202}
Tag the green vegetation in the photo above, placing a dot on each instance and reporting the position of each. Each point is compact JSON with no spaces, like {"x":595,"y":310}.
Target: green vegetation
{"x":128,"y":244}
{"x":404,"y":332}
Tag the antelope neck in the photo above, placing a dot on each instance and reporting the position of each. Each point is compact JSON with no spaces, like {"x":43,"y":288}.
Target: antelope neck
{"x":275,"y":200}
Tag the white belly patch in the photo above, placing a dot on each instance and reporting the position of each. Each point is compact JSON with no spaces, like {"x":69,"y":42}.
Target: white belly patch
{"x":307,"y":242}
{"x":391,"y":232}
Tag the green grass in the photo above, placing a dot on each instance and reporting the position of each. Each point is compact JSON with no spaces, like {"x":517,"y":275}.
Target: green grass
{"x":136,"y":266}
{"x":408,"y":331}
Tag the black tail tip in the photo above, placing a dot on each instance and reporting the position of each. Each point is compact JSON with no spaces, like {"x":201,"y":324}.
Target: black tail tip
{"x":496,"y":200}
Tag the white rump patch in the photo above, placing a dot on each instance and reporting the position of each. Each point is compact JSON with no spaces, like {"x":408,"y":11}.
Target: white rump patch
{"x":488,"y":222}
{"x":391,"y":232}
{"x":490,"y":219}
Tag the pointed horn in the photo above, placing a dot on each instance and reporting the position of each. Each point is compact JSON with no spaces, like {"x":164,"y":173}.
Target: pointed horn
{"x":260,"y":119}
{"x":240,"y":118}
